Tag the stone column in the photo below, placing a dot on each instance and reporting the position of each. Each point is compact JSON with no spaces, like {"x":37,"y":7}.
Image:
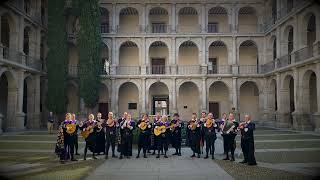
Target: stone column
{"x":173,"y":56}
{"x":235,"y":96}
{"x":17,"y":95}
{"x":230,"y":19}
{"x":316,"y":116}
{"x":278,"y":42}
{"x":114,"y":18}
{"x":36,"y":115}
{"x":143,"y":56}
{"x":144,"y":20}
{"x":173,"y":18}
{"x":234,"y":57}
{"x":204,"y":95}
{"x":114,"y":97}
{"x":203,"y":18}
{"x":115,"y":57}
{"x":174,"y":96}
{"x":235,"y":19}
{"x":203,"y":60}
{"x":143,"y":95}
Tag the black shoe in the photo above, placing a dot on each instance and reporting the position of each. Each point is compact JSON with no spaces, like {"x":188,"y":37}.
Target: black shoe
{"x":227,"y":158}
{"x":73,"y":159}
{"x":128,"y":157}
{"x":158,"y":156}
{"x":193,"y":155}
{"x":153,"y":153}
{"x":243,"y":162}
{"x":179,"y":154}
{"x":174,"y":154}
{"x":252,"y":164}
{"x":206,"y":157}
{"x":165,"y":156}
{"x":232,"y":159}
{"x":212,"y":157}
{"x":137,"y":156}
{"x":145,"y":156}
{"x":84,"y":158}
{"x":198,"y":155}
{"x":106,"y":157}
{"x":121,"y":157}
{"x":114,"y":156}
{"x":149,"y":151}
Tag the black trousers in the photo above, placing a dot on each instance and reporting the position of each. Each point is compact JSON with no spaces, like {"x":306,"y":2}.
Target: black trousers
{"x":110,"y":141}
{"x":230,"y":144}
{"x":210,"y":140}
{"x":162,"y":143}
{"x":143,"y":142}
{"x":224,"y":143}
{"x":76,"y":144}
{"x":247,"y":146}
{"x":195,"y":143}
{"x":126,"y":146}
{"x":69,"y":143}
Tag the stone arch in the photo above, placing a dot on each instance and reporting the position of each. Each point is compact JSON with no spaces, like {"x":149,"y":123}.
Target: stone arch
{"x":8,"y":29}
{"x":309,"y":92}
{"x":128,"y":93}
{"x":129,"y":20}
{"x":248,"y":57}
{"x":8,"y":98}
{"x":188,"y":20}
{"x":104,"y":20}
{"x":217,"y":14}
{"x":191,"y":49}
{"x":155,"y":14}
{"x":159,"y":97}
{"x":247,"y":19}
{"x":287,"y":95}
{"x":158,"y":56}
{"x":129,"y":54}
{"x":188,"y":100}
{"x":218,"y":58}
{"x":219,"y":96}
{"x":288,"y":39}
{"x":249,"y":99}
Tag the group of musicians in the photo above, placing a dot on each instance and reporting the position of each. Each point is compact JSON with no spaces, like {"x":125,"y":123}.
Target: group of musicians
{"x":101,"y":134}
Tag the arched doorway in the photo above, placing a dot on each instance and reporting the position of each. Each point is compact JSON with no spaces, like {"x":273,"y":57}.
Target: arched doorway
{"x":218,"y":20}
{"x":128,"y":58}
{"x":188,"y":100}
{"x":129,"y":99}
{"x":188,"y":20}
{"x":247,"y":20}
{"x":249,"y":100}
{"x":219,"y":99}
{"x":159,"y":98}
{"x":288,"y":98}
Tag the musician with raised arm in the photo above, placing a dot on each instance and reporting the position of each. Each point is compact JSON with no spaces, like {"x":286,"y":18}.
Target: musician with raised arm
{"x":126,"y":131}
{"x":89,"y":130}
{"x":144,"y":135}
{"x":110,"y":126}
{"x":247,"y":140}
{"x":195,"y":133}
{"x":209,"y":129}
{"x":230,"y":132}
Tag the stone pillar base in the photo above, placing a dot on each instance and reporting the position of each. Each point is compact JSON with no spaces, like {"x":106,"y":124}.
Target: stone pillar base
{"x":18,"y":123}
{"x":302,"y":122}
{"x":283,"y":120}
{"x":316,"y":121}
{"x":36,"y":121}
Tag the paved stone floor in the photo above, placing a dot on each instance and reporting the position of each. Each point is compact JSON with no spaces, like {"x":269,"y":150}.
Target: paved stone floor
{"x":182,"y":168}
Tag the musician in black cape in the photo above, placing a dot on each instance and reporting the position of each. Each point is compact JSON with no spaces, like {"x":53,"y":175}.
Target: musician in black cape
{"x":126,"y":131}
{"x":100,"y":135}
{"x":144,"y":135}
{"x":209,"y":131}
{"x":176,"y":125}
{"x":110,"y":126}
{"x":69,"y":138}
{"x":230,"y":132}
{"x":247,"y":140}
{"x":156,"y":120}
{"x":194,"y":128}
{"x":90,"y":125}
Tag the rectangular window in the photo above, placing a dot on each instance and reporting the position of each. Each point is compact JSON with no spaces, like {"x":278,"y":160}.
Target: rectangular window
{"x":132,"y":106}
{"x":213,"y":66}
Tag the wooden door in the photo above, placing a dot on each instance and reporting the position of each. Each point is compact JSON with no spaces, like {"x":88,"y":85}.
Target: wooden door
{"x":214,"y":108}
{"x":104,"y":110}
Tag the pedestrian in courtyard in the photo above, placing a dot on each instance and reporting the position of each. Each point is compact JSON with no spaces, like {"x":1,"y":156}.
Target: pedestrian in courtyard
{"x":50,"y":123}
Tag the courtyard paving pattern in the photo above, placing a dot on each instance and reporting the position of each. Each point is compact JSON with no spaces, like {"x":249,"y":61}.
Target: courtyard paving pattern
{"x":281,"y":154}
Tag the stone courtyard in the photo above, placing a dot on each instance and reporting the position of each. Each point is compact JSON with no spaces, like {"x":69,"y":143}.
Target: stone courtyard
{"x":282,"y":154}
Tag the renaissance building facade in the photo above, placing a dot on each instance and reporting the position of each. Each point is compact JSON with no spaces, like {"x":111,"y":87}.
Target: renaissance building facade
{"x":23,"y":25}
{"x":260,"y":57}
